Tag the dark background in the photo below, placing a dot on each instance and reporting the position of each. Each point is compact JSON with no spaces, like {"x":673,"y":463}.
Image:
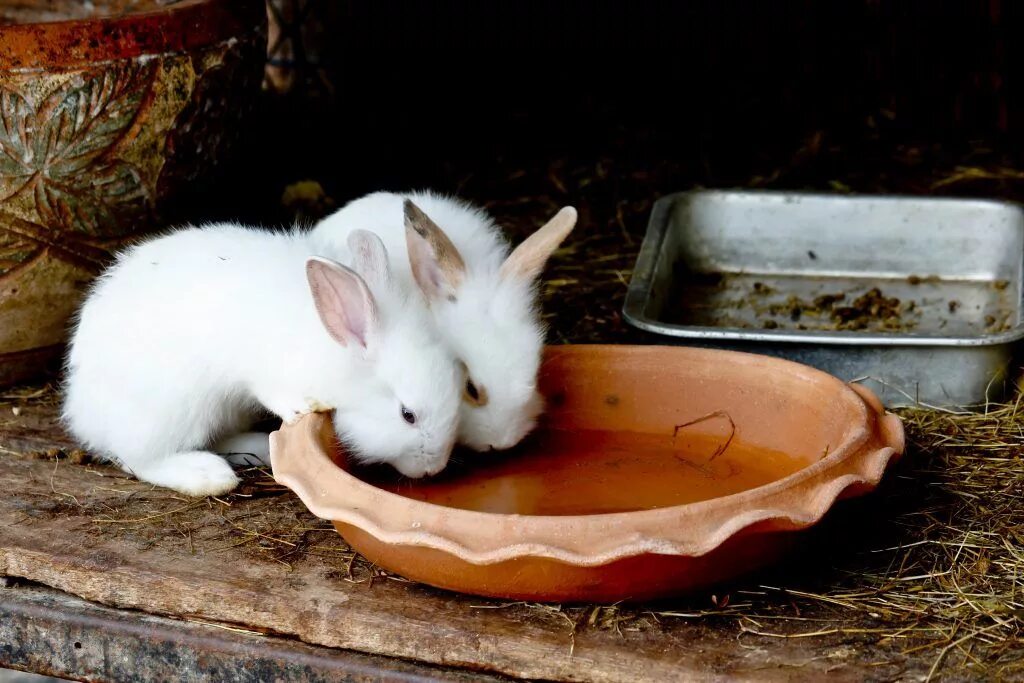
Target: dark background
{"x":527,"y":106}
{"x":425,"y":93}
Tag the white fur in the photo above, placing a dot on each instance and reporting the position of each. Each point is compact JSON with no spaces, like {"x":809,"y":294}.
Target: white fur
{"x":493,"y":325}
{"x":185,"y":338}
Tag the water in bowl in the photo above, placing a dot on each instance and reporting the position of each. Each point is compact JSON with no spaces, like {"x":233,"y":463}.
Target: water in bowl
{"x":557,"y":472}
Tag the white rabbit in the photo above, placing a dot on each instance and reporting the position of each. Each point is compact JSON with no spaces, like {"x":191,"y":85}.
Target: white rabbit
{"x":483,"y":298}
{"x":185,"y":338}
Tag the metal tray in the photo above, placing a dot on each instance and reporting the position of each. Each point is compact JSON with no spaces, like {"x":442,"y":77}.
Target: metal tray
{"x":761,"y":271}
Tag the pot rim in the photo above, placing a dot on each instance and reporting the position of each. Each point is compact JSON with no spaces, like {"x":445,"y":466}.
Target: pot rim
{"x":796,"y":501}
{"x":178,"y":28}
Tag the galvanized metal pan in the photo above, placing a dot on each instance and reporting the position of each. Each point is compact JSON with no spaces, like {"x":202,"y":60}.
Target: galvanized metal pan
{"x":920,"y":297}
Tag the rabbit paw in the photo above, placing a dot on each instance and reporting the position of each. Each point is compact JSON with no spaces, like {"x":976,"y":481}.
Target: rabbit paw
{"x":196,"y":473}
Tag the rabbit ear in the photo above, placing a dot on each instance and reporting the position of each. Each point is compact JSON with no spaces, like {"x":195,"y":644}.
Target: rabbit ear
{"x":436,"y":264}
{"x":370,"y":257}
{"x":528,"y":259}
{"x":346,"y":306}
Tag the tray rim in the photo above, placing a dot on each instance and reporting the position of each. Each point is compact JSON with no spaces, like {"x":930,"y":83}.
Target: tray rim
{"x":639,"y":289}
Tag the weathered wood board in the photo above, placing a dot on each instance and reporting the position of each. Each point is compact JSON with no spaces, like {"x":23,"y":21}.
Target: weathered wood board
{"x":52,"y":633}
{"x":260,"y":561}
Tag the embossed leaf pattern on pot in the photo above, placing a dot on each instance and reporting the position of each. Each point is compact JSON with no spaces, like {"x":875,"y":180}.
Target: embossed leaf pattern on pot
{"x":15,"y":250}
{"x":58,"y":161}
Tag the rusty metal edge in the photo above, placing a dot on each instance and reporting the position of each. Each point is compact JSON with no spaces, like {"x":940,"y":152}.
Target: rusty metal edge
{"x":52,"y":633}
{"x":183,"y":27}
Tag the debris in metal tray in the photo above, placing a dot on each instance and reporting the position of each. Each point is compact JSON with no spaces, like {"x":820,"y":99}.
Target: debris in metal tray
{"x":873,"y":305}
{"x":740,"y":300}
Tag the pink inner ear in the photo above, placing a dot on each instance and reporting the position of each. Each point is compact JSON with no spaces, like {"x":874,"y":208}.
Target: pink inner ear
{"x":425,"y":269}
{"x":344,"y":303}
{"x":527,"y":260}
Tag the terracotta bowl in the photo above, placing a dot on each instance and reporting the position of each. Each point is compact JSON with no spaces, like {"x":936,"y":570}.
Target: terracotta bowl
{"x":109,"y":108}
{"x":658,"y":470}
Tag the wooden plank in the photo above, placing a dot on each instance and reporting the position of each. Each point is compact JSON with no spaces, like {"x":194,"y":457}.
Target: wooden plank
{"x":52,"y":633}
{"x":259,"y":560}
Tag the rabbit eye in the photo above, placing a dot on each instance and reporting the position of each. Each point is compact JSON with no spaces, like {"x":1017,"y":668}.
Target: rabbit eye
{"x":474,"y":395}
{"x":408,"y":415}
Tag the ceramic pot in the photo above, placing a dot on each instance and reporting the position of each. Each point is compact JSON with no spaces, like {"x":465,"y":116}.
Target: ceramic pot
{"x":107,"y":110}
{"x":703,"y":464}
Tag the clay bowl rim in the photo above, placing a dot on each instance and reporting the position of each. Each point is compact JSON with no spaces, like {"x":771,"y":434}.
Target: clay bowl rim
{"x":177,"y":28}
{"x":856,"y":442}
